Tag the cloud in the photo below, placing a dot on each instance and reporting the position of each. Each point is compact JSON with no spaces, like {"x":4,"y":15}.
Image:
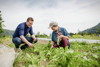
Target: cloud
{"x":71,"y":14}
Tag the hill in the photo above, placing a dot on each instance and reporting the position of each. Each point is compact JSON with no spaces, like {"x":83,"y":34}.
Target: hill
{"x":92,"y":29}
{"x":7,"y":33}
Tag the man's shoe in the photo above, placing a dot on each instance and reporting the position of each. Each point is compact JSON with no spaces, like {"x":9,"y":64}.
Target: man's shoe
{"x":23,"y":47}
{"x":17,"y":50}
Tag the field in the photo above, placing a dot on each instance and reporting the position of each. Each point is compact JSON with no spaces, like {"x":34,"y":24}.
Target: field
{"x":79,"y":55}
{"x":77,"y":36}
{"x":92,"y":36}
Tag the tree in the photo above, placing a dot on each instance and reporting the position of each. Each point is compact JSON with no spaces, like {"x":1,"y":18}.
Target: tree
{"x":79,"y":32}
{"x":98,"y":30}
{"x":86,"y":33}
{"x":1,"y":21}
{"x":50,"y":35}
{"x":71,"y":34}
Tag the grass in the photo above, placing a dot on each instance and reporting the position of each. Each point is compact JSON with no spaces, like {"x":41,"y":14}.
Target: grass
{"x":89,"y":36}
{"x":4,"y":39}
{"x":79,"y":55}
{"x":92,"y":36}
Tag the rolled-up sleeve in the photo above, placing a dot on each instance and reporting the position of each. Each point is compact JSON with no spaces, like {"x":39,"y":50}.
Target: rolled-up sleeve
{"x":52,"y":37}
{"x":31,"y":31}
{"x":21,"y":30}
{"x":66,"y":33}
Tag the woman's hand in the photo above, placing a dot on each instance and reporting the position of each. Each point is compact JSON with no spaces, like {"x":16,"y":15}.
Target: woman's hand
{"x":61,"y":36}
{"x":52,"y":46}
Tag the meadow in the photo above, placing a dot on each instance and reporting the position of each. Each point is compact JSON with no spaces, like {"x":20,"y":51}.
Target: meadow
{"x":89,"y":36}
{"x":77,"y":36}
{"x":79,"y":55}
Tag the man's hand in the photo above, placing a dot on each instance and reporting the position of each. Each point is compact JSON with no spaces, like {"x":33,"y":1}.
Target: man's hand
{"x":24,"y":40}
{"x":35,"y":39}
{"x":33,"y":36}
{"x":30,"y":45}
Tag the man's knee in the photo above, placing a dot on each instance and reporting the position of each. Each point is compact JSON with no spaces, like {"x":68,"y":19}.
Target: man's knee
{"x":31,"y":40}
{"x":36,"y":41}
{"x":17,"y":40}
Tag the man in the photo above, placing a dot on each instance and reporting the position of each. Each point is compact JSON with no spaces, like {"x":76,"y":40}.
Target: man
{"x":20,"y":33}
{"x":60,"y":36}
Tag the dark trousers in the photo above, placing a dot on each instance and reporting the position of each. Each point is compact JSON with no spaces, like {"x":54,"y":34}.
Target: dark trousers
{"x":17,"y":41}
{"x":64,"y":42}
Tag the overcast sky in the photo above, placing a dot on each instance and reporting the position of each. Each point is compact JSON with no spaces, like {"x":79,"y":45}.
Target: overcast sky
{"x":73,"y":15}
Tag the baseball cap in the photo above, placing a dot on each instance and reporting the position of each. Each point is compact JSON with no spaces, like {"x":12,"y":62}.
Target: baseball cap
{"x":52,"y":24}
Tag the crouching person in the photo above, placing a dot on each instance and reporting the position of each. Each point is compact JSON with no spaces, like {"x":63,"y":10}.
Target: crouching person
{"x":20,"y":33}
{"x":60,"y":36}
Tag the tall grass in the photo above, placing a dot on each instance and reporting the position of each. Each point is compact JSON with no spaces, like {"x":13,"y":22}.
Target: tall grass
{"x":92,"y":36}
{"x":79,"y":55}
{"x":4,"y":39}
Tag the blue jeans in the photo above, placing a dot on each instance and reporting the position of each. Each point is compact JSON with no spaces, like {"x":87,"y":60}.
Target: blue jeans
{"x":17,"y":41}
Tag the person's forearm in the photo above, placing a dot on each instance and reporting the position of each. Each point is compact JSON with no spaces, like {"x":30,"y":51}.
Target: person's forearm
{"x":53,"y":43}
{"x":66,"y":37}
{"x":24,"y":39}
{"x":33,"y":36}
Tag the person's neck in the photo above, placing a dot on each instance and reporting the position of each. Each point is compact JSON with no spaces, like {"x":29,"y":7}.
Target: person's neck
{"x":57,"y":30}
{"x":27,"y":24}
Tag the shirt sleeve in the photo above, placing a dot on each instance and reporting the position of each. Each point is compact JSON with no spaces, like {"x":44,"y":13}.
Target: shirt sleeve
{"x":21,"y":30}
{"x":52,"y":37}
{"x":66,"y":33}
{"x":31,"y":31}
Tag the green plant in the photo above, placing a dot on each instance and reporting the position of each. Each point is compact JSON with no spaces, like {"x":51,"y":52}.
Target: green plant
{"x":79,"y":55}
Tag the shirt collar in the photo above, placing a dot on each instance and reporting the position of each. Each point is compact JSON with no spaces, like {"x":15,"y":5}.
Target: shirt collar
{"x":26,"y":25}
{"x":59,"y":29}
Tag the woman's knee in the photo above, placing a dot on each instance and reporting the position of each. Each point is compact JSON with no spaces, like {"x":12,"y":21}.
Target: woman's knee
{"x":64,"y":39}
{"x":64,"y":42}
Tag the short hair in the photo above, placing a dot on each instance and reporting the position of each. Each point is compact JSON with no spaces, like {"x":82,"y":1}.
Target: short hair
{"x":30,"y":19}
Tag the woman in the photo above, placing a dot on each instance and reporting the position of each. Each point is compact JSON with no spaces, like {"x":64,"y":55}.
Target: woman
{"x":60,"y":36}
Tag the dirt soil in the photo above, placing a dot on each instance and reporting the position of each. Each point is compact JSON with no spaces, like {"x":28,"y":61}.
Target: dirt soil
{"x":39,"y":41}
